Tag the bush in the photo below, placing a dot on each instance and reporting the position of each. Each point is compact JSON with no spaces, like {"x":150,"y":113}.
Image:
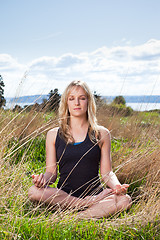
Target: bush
{"x":121,"y":109}
{"x":119,"y":100}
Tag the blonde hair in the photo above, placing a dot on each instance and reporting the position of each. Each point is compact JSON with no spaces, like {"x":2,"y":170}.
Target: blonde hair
{"x":64,"y":116}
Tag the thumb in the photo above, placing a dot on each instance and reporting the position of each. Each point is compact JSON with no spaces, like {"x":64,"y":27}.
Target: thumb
{"x":33,"y":176}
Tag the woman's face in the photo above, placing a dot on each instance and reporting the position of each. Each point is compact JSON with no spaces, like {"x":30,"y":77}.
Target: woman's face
{"x":77,"y":102}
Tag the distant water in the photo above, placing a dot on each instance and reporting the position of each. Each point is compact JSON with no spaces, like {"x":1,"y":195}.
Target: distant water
{"x":137,"y":103}
{"x":12,"y":104}
{"x":143,"y":106}
{"x":140,"y":103}
{"x":134,"y":106}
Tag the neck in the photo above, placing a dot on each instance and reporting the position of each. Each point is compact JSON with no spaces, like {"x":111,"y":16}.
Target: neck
{"x":78,"y":128}
{"x":78,"y":123}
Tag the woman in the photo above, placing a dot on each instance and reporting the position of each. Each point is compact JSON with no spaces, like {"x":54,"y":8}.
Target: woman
{"x":79,"y":146}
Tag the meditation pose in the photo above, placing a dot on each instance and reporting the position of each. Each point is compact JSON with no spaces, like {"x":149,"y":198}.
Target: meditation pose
{"x":80,"y":150}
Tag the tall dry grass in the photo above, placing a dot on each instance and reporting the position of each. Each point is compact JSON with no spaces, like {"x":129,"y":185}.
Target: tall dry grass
{"x":138,"y":159}
{"x":135,"y":158}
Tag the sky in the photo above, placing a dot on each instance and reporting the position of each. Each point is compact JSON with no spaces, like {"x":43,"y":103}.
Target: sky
{"x":114,"y":46}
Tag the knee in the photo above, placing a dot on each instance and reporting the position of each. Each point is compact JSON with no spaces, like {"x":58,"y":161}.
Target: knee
{"x":32,"y":193}
{"x":128,"y":201}
{"x":124,"y":202}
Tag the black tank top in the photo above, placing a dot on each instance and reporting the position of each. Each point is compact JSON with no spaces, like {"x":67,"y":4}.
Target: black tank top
{"x":78,"y":167}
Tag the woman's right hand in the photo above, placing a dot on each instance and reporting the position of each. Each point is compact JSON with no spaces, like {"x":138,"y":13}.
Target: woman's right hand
{"x":39,"y":180}
{"x":121,"y":189}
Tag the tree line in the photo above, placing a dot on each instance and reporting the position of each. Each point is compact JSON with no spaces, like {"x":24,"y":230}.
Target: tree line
{"x":52,"y":103}
{"x":2,"y":99}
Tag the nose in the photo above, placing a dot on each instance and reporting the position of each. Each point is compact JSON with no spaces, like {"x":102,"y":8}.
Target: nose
{"x":77,"y":101}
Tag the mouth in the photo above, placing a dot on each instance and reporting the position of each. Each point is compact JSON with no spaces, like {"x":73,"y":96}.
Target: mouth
{"x":77,"y":108}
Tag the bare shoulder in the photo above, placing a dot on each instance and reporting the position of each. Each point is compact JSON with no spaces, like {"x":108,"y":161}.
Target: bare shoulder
{"x":103,"y":130}
{"x":104,"y":133}
{"x":52,"y":134}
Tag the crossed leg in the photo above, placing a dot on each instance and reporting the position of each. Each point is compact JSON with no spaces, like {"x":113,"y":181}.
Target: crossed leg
{"x":107,"y":206}
{"x":54,"y":196}
{"x":103,"y":204}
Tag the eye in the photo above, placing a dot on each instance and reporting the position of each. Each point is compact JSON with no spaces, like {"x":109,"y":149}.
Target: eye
{"x":71,"y":98}
{"x":83,"y":98}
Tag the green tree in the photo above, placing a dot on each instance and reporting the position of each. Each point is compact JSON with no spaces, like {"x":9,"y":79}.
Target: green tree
{"x":98,"y":99}
{"x":119,"y":100}
{"x":54,"y":99}
{"x":96,"y":95}
{"x":2,"y":99}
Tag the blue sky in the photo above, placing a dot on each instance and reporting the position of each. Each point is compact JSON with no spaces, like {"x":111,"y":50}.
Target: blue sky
{"x":112,"y":45}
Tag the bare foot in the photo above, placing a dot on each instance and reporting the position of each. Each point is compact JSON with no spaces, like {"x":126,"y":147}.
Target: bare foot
{"x":96,"y":198}
{"x":105,"y":193}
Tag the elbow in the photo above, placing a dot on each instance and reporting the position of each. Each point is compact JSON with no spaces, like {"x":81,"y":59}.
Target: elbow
{"x":33,"y":193}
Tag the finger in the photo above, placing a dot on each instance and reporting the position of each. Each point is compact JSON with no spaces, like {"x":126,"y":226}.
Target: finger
{"x":123,"y":190}
{"x":36,"y":180}
{"x":41,"y":183}
{"x":120,"y":189}
{"x":34,"y":177}
{"x":118,"y":186}
{"x":39,"y":180}
{"x":44,"y":182}
{"x":116,"y":191}
{"x":125,"y":185}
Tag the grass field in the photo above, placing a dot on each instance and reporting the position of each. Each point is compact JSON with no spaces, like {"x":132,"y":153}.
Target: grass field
{"x":136,"y":160}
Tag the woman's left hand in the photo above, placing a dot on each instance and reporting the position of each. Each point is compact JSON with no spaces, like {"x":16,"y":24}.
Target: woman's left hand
{"x":120,"y":189}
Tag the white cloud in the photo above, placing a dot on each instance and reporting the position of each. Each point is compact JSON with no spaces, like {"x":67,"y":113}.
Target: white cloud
{"x":12,"y":73}
{"x":127,"y":70}
{"x":7,"y":63}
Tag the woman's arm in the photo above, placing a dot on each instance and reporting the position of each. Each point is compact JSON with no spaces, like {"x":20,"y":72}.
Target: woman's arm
{"x":51,"y":161}
{"x":51,"y":166}
{"x":108,"y":176}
